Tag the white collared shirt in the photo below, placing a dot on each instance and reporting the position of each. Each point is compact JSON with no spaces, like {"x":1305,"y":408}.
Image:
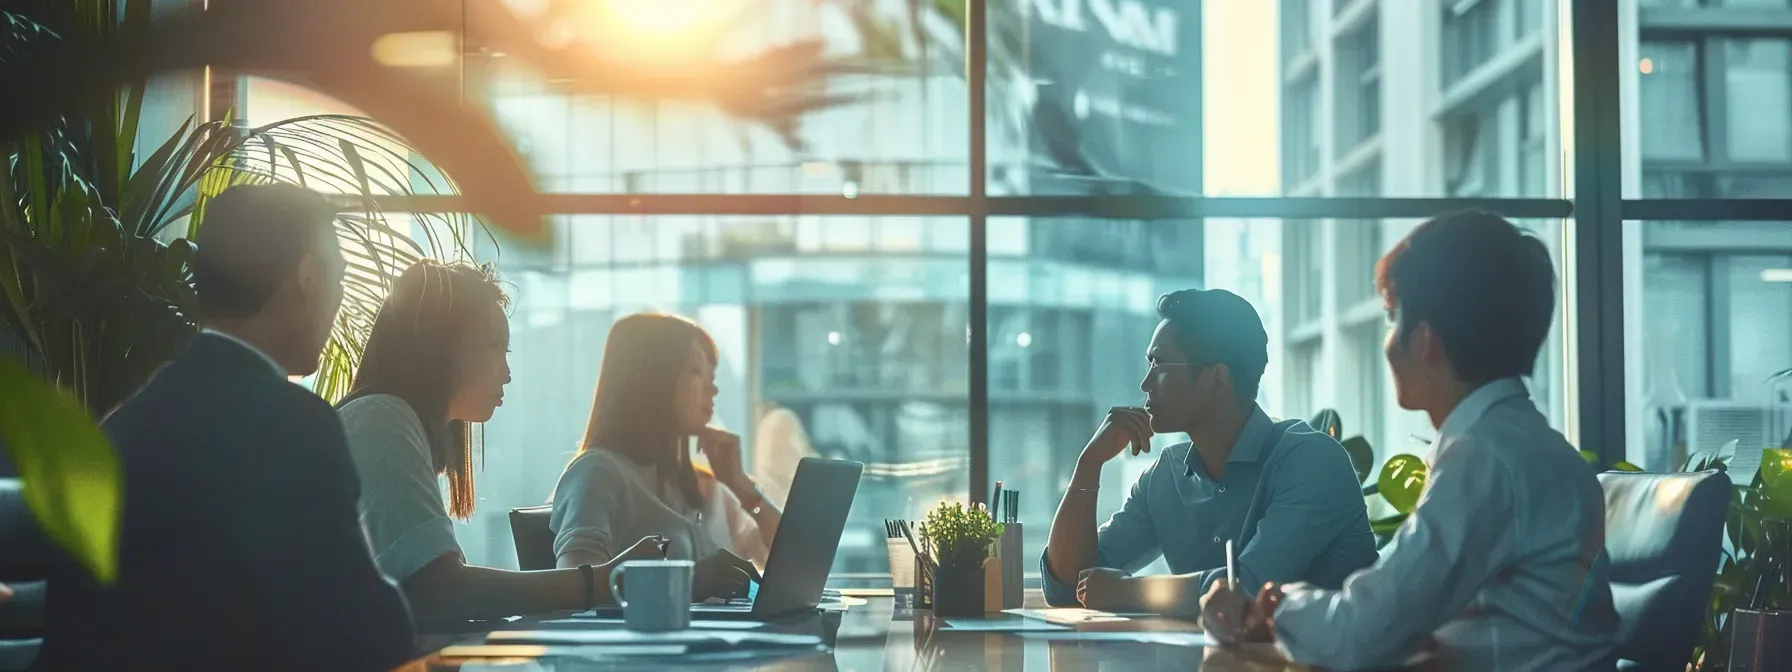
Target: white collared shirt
{"x":1501,"y":565}
{"x":278,"y":369}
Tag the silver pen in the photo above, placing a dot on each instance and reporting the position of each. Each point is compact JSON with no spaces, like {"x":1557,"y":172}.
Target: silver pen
{"x":1231,"y":574}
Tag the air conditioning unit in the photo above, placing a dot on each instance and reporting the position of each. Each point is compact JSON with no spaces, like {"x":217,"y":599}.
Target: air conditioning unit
{"x":1710,"y":423}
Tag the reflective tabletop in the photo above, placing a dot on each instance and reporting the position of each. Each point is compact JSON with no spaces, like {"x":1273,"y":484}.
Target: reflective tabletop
{"x":872,"y":634}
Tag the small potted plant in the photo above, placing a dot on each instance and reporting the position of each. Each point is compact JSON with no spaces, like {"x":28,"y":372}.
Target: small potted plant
{"x":959,"y":539}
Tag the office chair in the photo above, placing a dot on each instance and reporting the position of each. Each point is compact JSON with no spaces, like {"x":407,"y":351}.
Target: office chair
{"x":534,"y":539}
{"x":1663,"y":534}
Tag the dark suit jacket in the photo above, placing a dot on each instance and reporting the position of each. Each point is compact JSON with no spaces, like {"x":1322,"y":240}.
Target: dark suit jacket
{"x":241,"y":547}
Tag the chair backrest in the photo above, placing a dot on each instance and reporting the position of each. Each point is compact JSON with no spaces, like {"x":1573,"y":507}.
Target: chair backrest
{"x":534,"y":539}
{"x":1664,"y":536}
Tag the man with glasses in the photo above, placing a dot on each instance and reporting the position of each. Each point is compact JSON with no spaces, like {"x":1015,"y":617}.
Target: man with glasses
{"x":1283,"y":494}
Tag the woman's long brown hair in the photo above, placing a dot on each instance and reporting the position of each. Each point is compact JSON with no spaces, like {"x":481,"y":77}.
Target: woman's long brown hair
{"x":411,"y":353}
{"x":633,"y":412}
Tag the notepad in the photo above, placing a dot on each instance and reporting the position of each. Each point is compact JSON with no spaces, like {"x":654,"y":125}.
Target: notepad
{"x":1192,"y":639}
{"x":695,"y":640}
{"x":1072,"y":616}
{"x":1002,"y":625}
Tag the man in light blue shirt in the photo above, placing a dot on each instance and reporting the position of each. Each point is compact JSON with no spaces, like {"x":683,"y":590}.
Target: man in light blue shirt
{"x":1284,"y":494}
{"x":1501,"y":565}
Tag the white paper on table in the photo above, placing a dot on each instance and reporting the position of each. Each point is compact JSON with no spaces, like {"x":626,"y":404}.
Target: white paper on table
{"x":1192,"y":639}
{"x":555,"y":623}
{"x":1002,"y":625}
{"x":630,"y":637}
{"x":1073,"y":616}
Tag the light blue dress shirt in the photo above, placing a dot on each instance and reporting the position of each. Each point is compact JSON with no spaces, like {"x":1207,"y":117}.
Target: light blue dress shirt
{"x":1288,"y":499}
{"x":1501,"y":566}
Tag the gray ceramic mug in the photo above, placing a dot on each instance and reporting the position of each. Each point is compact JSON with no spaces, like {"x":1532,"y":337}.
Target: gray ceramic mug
{"x":657,"y":592}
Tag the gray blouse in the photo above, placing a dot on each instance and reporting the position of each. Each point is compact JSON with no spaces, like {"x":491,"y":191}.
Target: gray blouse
{"x":605,"y":502}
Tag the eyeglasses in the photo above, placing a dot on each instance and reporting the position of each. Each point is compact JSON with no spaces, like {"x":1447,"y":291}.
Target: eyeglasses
{"x":1152,"y":366}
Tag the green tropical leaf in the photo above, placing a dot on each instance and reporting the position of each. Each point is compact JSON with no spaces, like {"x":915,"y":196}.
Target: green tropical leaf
{"x":70,"y":474}
{"x":1776,"y":482}
{"x":1622,"y":465}
{"x":1362,"y":457}
{"x":1402,"y":481}
{"x":1389,"y":525}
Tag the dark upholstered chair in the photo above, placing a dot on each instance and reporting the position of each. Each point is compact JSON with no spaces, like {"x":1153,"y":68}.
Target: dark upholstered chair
{"x":534,"y":539}
{"x":1664,"y":535}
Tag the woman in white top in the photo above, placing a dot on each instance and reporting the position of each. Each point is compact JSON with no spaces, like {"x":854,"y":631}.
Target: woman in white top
{"x":634,"y":475}
{"x":436,"y":362}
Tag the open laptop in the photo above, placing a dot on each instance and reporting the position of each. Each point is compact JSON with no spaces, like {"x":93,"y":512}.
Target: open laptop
{"x":820,"y":497}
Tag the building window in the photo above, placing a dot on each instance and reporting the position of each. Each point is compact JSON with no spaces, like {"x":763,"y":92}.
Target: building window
{"x":1305,"y":275}
{"x":1298,"y":26}
{"x":1758,"y":99}
{"x":1359,"y":87}
{"x":1471,"y":37}
{"x":1669,"y":89}
{"x":1533,"y":142}
{"x":1302,"y":135}
{"x":1469,"y":154}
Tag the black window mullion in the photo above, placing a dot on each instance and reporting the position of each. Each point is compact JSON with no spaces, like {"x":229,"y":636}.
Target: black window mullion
{"x":976,"y":71}
{"x":1598,"y":264}
{"x":1713,"y":89}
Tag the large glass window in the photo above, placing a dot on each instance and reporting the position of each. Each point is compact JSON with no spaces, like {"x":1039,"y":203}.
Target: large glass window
{"x":1759,"y":91}
{"x":848,"y":335}
{"x":1670,"y":90}
{"x":1712,"y":330}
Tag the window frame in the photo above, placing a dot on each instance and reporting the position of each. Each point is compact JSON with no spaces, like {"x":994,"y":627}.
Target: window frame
{"x":1593,"y":243}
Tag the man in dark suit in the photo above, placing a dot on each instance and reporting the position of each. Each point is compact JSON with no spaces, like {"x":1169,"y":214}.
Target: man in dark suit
{"x":240,"y":543}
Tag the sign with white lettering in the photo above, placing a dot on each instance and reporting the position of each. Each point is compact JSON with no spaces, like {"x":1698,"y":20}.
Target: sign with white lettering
{"x":1118,"y":87}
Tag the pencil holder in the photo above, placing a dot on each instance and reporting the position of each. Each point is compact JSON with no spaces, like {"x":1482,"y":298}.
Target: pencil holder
{"x":1014,"y":565}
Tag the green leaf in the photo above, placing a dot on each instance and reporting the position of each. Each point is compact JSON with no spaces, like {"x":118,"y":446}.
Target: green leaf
{"x":1589,"y":457}
{"x":1622,"y":465}
{"x":1389,"y":525}
{"x":71,"y":476}
{"x":1776,"y":482}
{"x":1402,"y":481}
{"x":1362,"y":457}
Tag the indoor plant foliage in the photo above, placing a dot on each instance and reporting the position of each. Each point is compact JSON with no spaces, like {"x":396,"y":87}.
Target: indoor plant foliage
{"x":1755,"y":555}
{"x":960,"y":539}
{"x":960,"y":535}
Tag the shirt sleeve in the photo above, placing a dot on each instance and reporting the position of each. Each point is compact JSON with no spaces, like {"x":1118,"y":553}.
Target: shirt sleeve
{"x":1313,"y":496}
{"x":1127,"y":541}
{"x":1457,"y":539}
{"x":740,"y":530}
{"x":401,"y":498}
{"x":588,"y":506}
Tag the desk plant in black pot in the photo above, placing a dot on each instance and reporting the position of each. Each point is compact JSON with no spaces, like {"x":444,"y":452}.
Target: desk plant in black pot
{"x":959,"y":539}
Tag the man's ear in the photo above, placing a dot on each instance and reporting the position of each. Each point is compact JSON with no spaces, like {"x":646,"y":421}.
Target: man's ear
{"x":307,"y":278}
{"x":1430,"y":347}
{"x":1222,"y":377}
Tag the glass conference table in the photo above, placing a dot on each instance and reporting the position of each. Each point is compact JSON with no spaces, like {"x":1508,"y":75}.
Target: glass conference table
{"x":872,"y":634}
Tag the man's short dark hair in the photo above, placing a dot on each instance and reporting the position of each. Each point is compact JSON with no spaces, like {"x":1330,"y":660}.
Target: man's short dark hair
{"x":1486,"y":288}
{"x":1214,"y":326}
{"x":251,"y":240}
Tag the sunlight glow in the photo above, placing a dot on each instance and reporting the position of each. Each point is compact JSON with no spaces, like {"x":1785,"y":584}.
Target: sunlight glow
{"x":427,"y":49}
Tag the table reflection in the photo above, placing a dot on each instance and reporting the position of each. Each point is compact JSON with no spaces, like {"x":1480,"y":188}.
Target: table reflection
{"x":876,"y":637}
